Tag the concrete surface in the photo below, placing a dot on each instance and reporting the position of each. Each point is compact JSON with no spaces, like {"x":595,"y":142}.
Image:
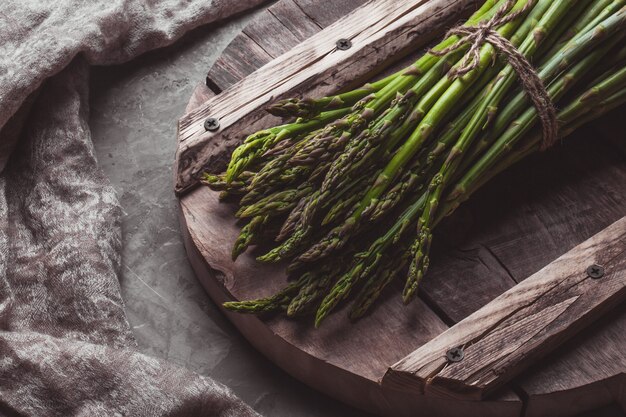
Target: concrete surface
{"x":134,"y":109}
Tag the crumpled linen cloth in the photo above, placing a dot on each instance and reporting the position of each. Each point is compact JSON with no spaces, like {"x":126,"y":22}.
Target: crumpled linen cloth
{"x":66,"y":348}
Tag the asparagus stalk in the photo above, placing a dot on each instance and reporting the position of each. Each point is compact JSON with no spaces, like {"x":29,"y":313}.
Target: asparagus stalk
{"x":275,"y":204}
{"x":377,"y":282}
{"x":435,"y":105}
{"x":375,"y":252}
{"x":420,"y":248}
{"x":260,"y":142}
{"x":380,"y":99}
{"x":368,"y":260}
{"x":310,"y":107}
{"x":485,"y":112}
{"x":279,"y":301}
{"x":388,"y":160}
{"x":591,"y":104}
{"x":583,"y":42}
{"x":575,"y":20}
{"x":522,"y":125}
{"x":443,"y":97}
{"x":364,"y":144}
{"x":310,"y":293}
{"x":455,"y":127}
{"x":248,"y":235}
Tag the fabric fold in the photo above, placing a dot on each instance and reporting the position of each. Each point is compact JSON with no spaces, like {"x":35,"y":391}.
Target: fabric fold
{"x":66,"y":348}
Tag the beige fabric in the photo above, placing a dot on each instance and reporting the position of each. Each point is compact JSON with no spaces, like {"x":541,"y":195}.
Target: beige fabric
{"x":66,"y":348}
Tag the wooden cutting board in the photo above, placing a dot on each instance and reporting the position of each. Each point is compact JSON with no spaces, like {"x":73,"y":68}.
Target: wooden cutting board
{"x":547,"y":218}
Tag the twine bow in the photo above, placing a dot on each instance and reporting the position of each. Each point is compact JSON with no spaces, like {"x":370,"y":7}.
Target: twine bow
{"x":485,"y":31}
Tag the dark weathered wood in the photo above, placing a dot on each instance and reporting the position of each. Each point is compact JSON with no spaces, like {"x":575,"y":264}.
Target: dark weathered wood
{"x":381,"y":32}
{"x":464,"y":275}
{"x":242,"y":57}
{"x":214,"y":235}
{"x":294,"y":18}
{"x":342,"y":360}
{"x":200,"y":94}
{"x":327,"y":13}
{"x":523,"y":219}
{"x":275,"y":31}
{"x":266,"y":29}
{"x":531,"y":319}
{"x":585,"y":374}
{"x":608,"y":411}
{"x":608,"y":130}
{"x":570,"y":193}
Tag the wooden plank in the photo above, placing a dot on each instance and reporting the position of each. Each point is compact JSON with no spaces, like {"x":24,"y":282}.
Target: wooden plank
{"x":294,"y":18}
{"x":589,"y":371}
{"x":215,"y":234}
{"x":523,"y":324}
{"x":464,"y":275}
{"x":270,"y":34}
{"x":331,"y":375}
{"x":608,"y":130}
{"x":609,"y":411}
{"x":558,"y":199}
{"x":326,"y":14}
{"x":275,"y":31}
{"x":523,"y":219}
{"x":574,"y":378}
{"x":345,"y":361}
{"x":505,"y":403}
{"x":586,"y":373}
{"x":242,"y":57}
{"x":381,"y":31}
{"x":200,"y":94}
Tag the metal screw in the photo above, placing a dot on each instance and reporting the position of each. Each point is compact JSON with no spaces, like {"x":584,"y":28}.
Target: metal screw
{"x":595,"y":271}
{"x":344,"y":44}
{"x":211,"y":124}
{"x":455,"y":354}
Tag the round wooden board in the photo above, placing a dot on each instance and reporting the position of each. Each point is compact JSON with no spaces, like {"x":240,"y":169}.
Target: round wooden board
{"x":520,"y":222}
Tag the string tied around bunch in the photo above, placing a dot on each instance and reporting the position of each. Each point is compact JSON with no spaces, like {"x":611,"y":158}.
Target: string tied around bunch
{"x":485,"y":32}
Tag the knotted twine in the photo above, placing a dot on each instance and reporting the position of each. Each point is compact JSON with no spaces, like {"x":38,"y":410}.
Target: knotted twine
{"x":485,"y":32}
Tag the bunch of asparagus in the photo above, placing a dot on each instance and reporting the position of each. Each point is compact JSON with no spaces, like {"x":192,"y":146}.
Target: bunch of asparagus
{"x":352,"y":188}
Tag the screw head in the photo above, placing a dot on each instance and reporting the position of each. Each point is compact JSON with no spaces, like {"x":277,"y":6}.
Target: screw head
{"x":344,"y":44}
{"x":211,"y":124}
{"x":595,"y":271}
{"x":455,"y":354}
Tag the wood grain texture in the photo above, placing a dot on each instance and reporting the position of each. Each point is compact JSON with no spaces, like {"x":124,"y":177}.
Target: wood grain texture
{"x":526,"y":322}
{"x":326,"y":13}
{"x":214,"y":236}
{"x":201,"y":93}
{"x":381,"y":31}
{"x":464,"y":275}
{"x":523,"y":219}
{"x":585,"y":374}
{"x":296,"y":20}
{"x":342,"y":360}
{"x":242,"y":57}
{"x":468,"y":271}
{"x":561,"y":197}
{"x":275,"y":31}
{"x":266,"y":29}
